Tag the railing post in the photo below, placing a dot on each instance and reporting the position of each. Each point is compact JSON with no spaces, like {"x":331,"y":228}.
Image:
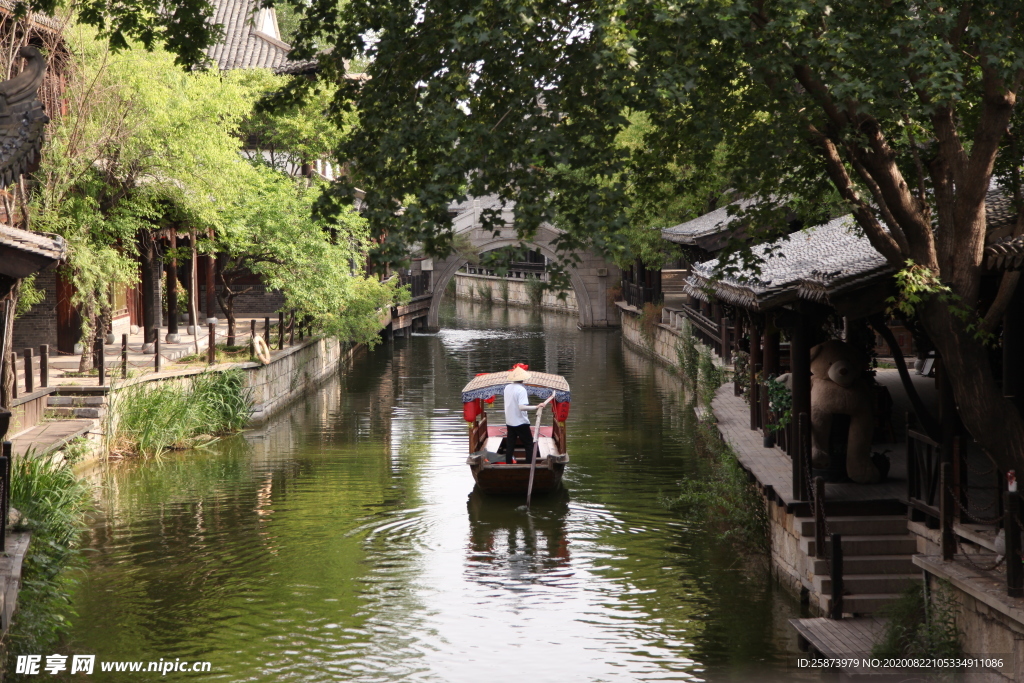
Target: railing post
{"x":266,"y":330}
{"x":156,"y":354}
{"x":14,"y":372}
{"x":291,"y":329}
{"x":101,"y":361}
{"x":5,"y":495}
{"x":44,"y":365}
{"x":280,"y":330}
{"x":29,"y":379}
{"x":819,"y":518}
{"x":1011,"y":527}
{"x":800,"y":458}
{"x":947,"y":539}
{"x":836,"y":571}
{"x":124,"y":356}
{"x":252,"y":330}
{"x":723,"y":332}
{"x":211,"y":350}
{"x":766,"y":423}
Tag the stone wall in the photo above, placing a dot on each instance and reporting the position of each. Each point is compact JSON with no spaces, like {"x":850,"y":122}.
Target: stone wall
{"x":467,"y":287}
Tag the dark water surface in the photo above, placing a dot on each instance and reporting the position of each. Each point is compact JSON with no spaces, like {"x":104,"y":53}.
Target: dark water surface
{"x":342,"y":541}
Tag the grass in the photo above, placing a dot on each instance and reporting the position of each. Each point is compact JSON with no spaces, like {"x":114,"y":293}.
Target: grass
{"x":223,"y":354}
{"x":52,"y":502}
{"x":485,"y":293}
{"x":921,"y":627}
{"x":154,"y":418}
{"x":503,"y":289}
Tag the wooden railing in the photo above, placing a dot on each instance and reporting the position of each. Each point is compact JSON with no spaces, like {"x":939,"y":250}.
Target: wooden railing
{"x":924,"y":458}
{"x":419,"y":283}
{"x":637,"y":295}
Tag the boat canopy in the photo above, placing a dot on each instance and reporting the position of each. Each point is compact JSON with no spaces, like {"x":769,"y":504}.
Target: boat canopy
{"x":539,"y":385}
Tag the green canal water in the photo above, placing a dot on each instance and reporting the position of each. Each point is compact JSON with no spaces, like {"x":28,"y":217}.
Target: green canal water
{"x":343,"y":541}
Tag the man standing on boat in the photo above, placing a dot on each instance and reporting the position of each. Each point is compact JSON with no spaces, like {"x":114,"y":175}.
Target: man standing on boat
{"x":517,"y":402}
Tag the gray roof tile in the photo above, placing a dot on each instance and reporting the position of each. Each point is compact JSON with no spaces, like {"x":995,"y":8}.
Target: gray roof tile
{"x":244,"y":47}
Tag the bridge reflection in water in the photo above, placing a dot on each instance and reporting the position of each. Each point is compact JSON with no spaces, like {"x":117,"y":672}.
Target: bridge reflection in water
{"x":344,"y":540}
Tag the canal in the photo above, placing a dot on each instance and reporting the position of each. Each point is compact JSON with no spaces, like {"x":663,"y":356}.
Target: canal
{"x":342,"y":541}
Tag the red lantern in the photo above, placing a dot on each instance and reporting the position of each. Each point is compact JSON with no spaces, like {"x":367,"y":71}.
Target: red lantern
{"x":470,"y":409}
{"x":560,"y":410}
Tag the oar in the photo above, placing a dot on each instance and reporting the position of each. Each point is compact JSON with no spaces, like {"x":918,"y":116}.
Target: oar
{"x":536,"y":449}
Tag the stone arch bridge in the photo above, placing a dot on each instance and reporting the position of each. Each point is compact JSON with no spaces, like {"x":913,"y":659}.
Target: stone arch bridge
{"x":591,"y":278}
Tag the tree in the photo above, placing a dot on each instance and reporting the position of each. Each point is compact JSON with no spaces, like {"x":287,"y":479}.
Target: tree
{"x":903,"y":107}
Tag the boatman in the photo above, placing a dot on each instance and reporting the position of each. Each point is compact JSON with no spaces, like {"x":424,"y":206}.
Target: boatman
{"x":517,"y":402}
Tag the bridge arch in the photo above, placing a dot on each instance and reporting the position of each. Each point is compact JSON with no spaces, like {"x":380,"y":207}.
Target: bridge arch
{"x":587,"y":289}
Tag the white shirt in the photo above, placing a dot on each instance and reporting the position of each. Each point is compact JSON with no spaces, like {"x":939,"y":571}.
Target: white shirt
{"x":515,"y":399}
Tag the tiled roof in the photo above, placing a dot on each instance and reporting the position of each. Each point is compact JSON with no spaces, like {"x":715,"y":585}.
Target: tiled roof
{"x":811,"y":264}
{"x":713,"y":223}
{"x":37,"y":18}
{"x":23,"y":252}
{"x":244,"y":46}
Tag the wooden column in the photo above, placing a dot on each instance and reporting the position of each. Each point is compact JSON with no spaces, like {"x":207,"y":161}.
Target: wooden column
{"x":755,"y":368}
{"x":211,"y":289}
{"x":800,"y":362}
{"x":1013,"y":349}
{"x":771,"y":349}
{"x":172,"y":290}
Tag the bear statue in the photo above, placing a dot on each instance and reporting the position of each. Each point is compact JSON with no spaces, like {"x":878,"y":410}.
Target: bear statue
{"x":841,"y":385}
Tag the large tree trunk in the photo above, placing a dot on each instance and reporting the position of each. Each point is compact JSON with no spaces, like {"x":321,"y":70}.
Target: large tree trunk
{"x":992,"y":419}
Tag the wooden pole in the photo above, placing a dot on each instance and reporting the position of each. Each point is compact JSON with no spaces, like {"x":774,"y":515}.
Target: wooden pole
{"x":101,"y":360}
{"x":252,"y":336}
{"x":211,"y":289}
{"x":266,"y":330}
{"x":280,"y":330}
{"x":819,"y":518}
{"x":800,"y":363}
{"x":124,"y":356}
{"x":947,"y":539}
{"x":14,"y":373}
{"x":156,"y":355}
{"x":29,"y":379}
{"x":6,"y":452}
{"x":211,"y":351}
{"x":172,"y":288}
{"x":536,"y":449}
{"x":1011,"y":527}
{"x":44,"y":365}
{"x":291,"y":329}
{"x":836,"y":571}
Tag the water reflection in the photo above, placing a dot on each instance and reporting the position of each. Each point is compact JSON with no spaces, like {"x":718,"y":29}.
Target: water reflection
{"x":343,"y":541}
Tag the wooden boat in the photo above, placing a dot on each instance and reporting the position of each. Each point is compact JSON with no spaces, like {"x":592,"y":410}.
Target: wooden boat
{"x":491,"y":473}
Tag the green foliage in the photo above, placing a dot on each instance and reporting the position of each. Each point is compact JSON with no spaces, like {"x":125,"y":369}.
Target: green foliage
{"x":780,"y":402}
{"x":503,"y":289}
{"x":151,"y":418}
{"x":689,"y":356}
{"x":919,"y":627}
{"x":649,"y":319}
{"x":534,"y":290}
{"x":915,"y":284}
{"x":53,"y":502}
{"x":710,"y":376}
{"x":28,"y":295}
{"x":722,"y":500}
{"x":485,"y":293}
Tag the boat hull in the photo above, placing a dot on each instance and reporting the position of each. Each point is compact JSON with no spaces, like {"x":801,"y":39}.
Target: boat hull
{"x":513,"y":480}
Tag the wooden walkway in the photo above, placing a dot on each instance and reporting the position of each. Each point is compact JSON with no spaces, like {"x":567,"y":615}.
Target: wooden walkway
{"x":850,"y":639}
{"x":50,"y":436}
{"x":773,"y":468}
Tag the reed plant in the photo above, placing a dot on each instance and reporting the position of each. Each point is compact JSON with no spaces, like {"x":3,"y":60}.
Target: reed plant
{"x":154,"y":418}
{"x":485,"y":293}
{"x":535,"y":290}
{"x":503,"y":289}
{"x":52,"y":502}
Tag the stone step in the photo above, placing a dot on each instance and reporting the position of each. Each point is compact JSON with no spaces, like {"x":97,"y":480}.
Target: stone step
{"x":93,"y":413}
{"x":75,"y":401}
{"x":864,"y":604}
{"x":870,"y":564}
{"x":857,"y":526}
{"x":881,"y":544}
{"x":858,"y":584}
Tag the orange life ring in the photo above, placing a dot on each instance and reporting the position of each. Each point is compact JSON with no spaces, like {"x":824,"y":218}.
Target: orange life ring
{"x":260,"y":348}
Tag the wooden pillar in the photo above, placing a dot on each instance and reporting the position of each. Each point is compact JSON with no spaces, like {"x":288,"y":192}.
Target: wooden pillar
{"x":771,"y":349}
{"x":755,"y":369}
{"x":149,"y":276}
{"x":1013,"y":349}
{"x":29,"y":379}
{"x":800,"y":362}
{"x":44,"y":365}
{"x":172,"y":291}
{"x":211,"y":290}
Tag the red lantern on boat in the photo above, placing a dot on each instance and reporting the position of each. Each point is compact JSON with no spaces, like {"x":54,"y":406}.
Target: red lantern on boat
{"x":470,"y":409}
{"x":560,"y":410}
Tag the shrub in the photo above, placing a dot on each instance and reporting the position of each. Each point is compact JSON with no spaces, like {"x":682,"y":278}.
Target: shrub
{"x":152,"y":419}
{"x":650,"y":317}
{"x":723,"y":501}
{"x":485,"y":293}
{"x":503,"y":288}
{"x":686,"y":349}
{"x":709,"y":377}
{"x":535,"y":290}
